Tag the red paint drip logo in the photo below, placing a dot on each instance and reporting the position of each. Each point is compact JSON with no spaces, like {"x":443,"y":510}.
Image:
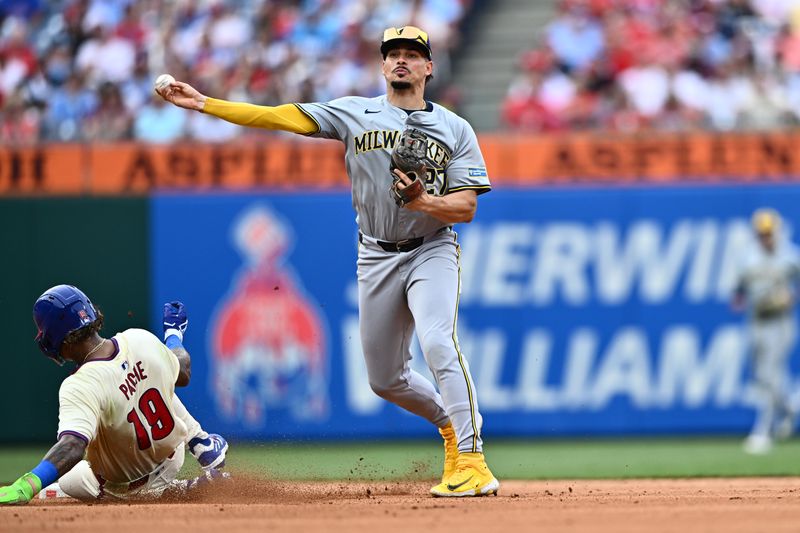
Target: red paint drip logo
{"x":268,"y":342}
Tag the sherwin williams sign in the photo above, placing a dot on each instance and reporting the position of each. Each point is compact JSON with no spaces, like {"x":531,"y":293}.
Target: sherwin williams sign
{"x":583,"y":311}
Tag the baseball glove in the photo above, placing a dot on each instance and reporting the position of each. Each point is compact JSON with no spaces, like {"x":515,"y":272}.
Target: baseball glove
{"x":776,"y":302}
{"x":409,"y":157}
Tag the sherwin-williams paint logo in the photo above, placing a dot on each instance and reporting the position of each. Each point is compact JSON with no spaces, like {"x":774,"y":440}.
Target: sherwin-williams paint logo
{"x":268,"y":344}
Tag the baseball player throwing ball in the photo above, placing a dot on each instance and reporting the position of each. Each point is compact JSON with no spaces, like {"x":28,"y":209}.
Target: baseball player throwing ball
{"x":415,"y":169}
{"x":118,"y":409}
{"x":767,"y":288}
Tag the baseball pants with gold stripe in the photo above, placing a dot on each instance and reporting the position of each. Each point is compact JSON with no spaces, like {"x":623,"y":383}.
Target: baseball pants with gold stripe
{"x":400,"y":292}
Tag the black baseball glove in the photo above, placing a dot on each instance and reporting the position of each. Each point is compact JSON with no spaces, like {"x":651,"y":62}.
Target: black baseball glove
{"x":409,"y":157}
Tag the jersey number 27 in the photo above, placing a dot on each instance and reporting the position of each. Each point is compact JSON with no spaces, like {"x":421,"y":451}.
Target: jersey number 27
{"x":157,"y":415}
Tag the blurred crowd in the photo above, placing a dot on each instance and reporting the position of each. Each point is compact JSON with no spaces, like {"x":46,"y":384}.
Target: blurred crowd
{"x":75,"y":70}
{"x":673,"y":65}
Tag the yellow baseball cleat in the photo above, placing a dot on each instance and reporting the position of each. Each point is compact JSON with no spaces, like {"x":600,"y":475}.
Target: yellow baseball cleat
{"x":450,"y":450}
{"x":471,"y":478}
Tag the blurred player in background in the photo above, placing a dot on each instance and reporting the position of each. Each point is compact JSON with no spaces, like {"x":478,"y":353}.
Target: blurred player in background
{"x":767,"y":287}
{"x":118,"y":408}
{"x":409,"y":258}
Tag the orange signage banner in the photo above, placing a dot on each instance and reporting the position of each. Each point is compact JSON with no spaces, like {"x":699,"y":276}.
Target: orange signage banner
{"x":280,"y":163}
{"x":646,"y":159}
{"x":140,"y":168}
{"x":55,"y":169}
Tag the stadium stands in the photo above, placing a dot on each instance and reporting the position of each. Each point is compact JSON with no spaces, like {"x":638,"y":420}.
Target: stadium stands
{"x":74,"y":70}
{"x":666,"y":65}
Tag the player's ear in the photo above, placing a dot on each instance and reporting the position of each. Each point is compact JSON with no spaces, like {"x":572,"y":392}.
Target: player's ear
{"x":428,"y":71}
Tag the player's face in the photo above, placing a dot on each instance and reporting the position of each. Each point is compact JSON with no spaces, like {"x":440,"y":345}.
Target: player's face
{"x":767,"y":240}
{"x":406,"y":65}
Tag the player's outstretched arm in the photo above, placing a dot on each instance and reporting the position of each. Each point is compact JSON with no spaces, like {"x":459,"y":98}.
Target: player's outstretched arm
{"x":175,"y":324}
{"x":64,"y":455}
{"x":287,"y":117}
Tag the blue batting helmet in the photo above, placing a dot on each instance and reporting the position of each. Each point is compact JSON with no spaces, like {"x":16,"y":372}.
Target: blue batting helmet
{"x":58,"y":312}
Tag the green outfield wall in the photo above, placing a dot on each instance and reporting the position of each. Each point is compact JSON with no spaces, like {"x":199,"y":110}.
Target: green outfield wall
{"x":98,"y":244}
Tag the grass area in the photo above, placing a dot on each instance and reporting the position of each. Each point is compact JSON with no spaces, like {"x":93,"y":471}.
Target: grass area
{"x":509,"y":459}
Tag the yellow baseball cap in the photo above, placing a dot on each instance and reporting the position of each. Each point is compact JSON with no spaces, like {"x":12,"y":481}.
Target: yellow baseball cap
{"x":765,"y":220}
{"x":406,"y":35}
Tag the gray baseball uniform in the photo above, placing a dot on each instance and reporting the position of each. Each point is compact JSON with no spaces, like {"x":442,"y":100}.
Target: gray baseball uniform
{"x":768,"y":282}
{"x":408,"y":262}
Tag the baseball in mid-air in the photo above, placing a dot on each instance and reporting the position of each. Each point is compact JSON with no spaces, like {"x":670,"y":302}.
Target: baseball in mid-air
{"x":162,"y":82}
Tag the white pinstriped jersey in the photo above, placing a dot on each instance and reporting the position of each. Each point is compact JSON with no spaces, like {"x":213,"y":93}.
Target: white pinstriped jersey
{"x":122,"y":406}
{"x":369,"y":129}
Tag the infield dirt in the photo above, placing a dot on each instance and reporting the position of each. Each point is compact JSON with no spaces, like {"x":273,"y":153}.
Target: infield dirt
{"x":246,"y":505}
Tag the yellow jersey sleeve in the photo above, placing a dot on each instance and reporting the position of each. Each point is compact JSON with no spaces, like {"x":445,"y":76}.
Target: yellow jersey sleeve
{"x":286,"y":117}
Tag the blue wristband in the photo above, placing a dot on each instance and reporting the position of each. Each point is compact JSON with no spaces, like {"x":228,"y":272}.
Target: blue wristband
{"x":46,"y":472}
{"x":173,"y":341}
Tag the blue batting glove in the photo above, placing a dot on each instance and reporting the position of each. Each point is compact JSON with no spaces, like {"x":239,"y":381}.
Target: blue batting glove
{"x":175,"y":319}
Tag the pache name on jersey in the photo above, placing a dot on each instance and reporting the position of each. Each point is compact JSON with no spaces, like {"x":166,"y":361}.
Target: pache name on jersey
{"x":137,"y":375}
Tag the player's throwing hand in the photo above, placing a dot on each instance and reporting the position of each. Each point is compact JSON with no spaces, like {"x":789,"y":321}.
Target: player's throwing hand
{"x":182,"y":95}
